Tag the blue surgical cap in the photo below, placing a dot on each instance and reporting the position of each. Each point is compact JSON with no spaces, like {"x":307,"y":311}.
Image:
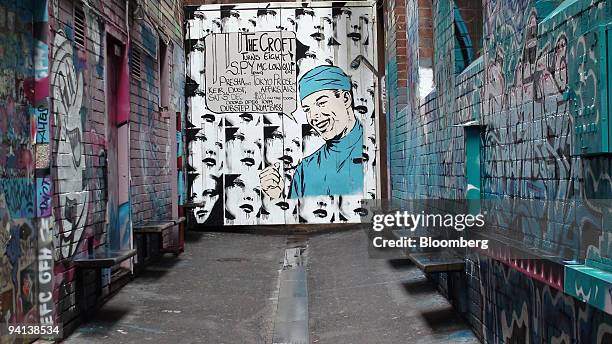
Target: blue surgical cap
{"x":324,"y":78}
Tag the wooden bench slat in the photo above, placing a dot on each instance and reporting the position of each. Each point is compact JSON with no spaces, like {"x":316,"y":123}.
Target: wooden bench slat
{"x":102,"y":259}
{"x":153,"y":227}
{"x":432,"y":262}
{"x":157,"y":227}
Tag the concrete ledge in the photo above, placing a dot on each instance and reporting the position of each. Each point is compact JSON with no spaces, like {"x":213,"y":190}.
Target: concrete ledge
{"x":590,"y":285}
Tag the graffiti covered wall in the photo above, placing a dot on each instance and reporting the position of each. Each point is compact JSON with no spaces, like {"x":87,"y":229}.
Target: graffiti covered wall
{"x":25,"y":188}
{"x":534,"y":94}
{"x":157,"y":114}
{"x":157,"y":48}
{"x":281,"y":113}
{"x":84,"y":145}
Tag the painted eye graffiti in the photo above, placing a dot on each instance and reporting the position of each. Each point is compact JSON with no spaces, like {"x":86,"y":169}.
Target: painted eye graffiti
{"x":210,"y":193}
{"x":208,"y":118}
{"x":247,"y":117}
{"x":238,"y":184}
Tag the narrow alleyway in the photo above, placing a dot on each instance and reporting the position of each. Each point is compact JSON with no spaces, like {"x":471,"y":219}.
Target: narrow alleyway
{"x":224,"y":289}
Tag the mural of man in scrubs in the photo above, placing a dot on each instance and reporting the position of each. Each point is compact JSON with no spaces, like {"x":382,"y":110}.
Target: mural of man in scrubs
{"x":335,"y":168}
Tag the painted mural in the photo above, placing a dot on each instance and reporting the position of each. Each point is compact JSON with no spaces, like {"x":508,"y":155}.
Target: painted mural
{"x":60,"y":141}
{"x":89,"y":140}
{"x":25,"y":188}
{"x":281,"y":117}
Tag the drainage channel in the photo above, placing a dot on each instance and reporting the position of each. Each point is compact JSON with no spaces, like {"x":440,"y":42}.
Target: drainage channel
{"x":291,"y":320}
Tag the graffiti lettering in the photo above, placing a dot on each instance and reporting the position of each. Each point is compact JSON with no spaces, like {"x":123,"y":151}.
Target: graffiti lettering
{"x":243,"y":62}
{"x":42,"y":125}
{"x":19,"y":196}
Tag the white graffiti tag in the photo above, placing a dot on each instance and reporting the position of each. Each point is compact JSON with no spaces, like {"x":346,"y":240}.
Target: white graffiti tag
{"x":67,"y":92}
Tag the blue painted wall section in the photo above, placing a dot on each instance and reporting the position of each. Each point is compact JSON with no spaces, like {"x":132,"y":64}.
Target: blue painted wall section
{"x":538,"y":92}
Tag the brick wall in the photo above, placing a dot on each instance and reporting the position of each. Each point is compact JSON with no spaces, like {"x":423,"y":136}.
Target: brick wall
{"x":152,"y":170}
{"x":25,"y":190}
{"x":92,"y":136}
{"x":80,"y":144}
{"x":396,"y":75}
{"x":515,"y":91}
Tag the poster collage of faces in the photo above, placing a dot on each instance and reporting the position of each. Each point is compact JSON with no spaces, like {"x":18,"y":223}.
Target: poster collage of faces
{"x":228,"y":151}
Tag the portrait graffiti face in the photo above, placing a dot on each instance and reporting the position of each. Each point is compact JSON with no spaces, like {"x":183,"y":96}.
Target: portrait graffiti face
{"x":242,"y":199}
{"x":207,"y":152}
{"x":369,"y":152}
{"x":243,"y":149}
{"x":317,"y":209}
{"x":206,"y":191}
{"x":292,"y":153}
{"x":361,"y":99}
{"x":273,"y":144}
{"x":281,"y":166}
{"x":361,"y":107}
{"x":292,"y":145}
{"x":279,"y":211}
{"x":327,"y":111}
{"x":353,"y":209}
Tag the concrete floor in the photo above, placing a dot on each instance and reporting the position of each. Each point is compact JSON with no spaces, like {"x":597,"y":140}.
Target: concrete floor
{"x":356,"y":299}
{"x":224,"y":290}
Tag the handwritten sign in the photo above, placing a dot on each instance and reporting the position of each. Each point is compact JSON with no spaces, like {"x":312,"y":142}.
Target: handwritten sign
{"x":251,"y":72}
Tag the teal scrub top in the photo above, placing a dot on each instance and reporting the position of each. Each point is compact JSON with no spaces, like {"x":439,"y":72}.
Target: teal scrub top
{"x":334,"y":169}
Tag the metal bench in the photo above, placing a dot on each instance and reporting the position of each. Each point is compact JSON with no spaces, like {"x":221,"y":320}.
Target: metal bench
{"x":436,"y":262}
{"x":101,"y":258}
{"x":158,"y":228}
{"x":430,"y":260}
{"x":95,"y":260}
